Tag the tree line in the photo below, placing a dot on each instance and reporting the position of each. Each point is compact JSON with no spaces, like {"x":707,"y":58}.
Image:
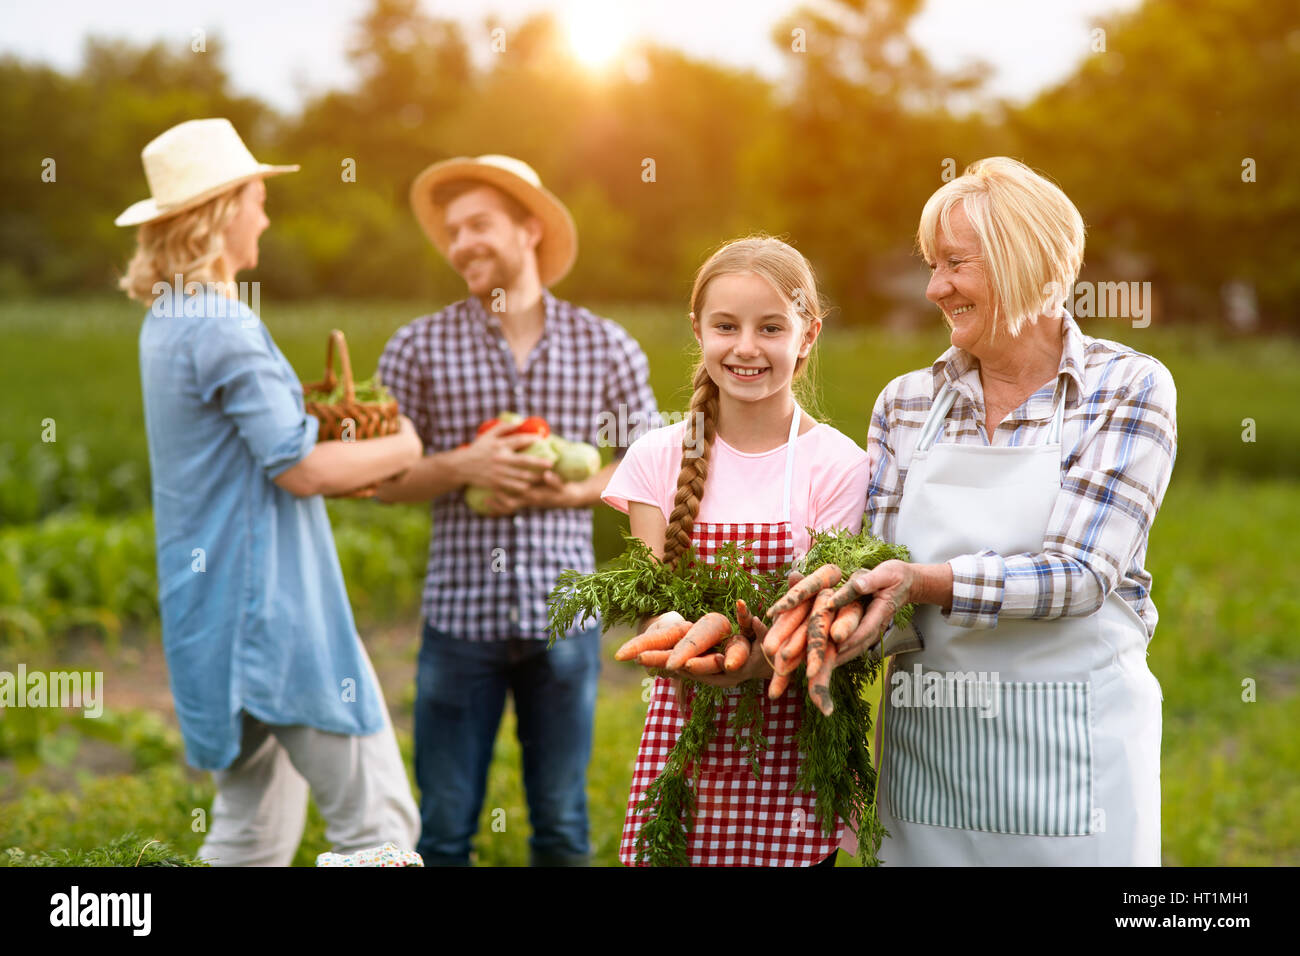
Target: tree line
{"x":1175,"y":137}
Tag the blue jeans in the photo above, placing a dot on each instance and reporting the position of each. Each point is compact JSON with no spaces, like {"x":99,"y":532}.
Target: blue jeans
{"x":460,"y":696}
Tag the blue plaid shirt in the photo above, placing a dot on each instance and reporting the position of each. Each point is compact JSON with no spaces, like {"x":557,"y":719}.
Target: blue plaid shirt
{"x":488,"y":578}
{"x":1120,"y":437}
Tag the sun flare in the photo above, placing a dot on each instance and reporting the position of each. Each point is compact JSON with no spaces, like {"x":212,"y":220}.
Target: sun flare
{"x":598,"y":33}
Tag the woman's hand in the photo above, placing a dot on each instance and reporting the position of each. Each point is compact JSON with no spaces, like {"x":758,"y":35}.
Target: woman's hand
{"x":411,"y":449}
{"x":889,"y":585}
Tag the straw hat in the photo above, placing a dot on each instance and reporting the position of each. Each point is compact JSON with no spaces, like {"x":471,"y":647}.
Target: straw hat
{"x":559,"y":246}
{"x":190,"y":164}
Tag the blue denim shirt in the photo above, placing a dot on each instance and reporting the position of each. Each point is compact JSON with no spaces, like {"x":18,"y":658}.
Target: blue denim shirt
{"x":255,"y":615}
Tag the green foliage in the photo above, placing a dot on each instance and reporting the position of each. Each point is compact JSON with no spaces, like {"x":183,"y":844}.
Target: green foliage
{"x":160,"y":802}
{"x":48,"y":736}
{"x":369,"y":392}
{"x":76,"y":571}
{"x":849,"y":552}
{"x":838,"y":766}
{"x":669,"y":801}
{"x":1180,"y":208}
{"x":747,"y":722}
{"x":735,"y":153}
{"x":837,"y":761}
{"x":76,"y":549}
{"x":82,"y":571}
{"x":130,"y":849}
{"x":636,"y":584}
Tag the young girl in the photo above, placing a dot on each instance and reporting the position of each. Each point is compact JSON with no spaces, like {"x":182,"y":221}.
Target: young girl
{"x":748,"y":466}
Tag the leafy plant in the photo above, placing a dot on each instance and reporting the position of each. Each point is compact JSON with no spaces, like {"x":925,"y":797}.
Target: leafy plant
{"x":129,"y":849}
{"x":837,"y":765}
{"x":636,"y":584}
{"x":371,"y":391}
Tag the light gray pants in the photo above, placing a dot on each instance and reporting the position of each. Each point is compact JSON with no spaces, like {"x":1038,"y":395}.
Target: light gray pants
{"x":260,"y":810}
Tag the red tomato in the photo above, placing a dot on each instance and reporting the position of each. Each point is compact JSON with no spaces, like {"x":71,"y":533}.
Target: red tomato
{"x":533,"y":425}
{"x":490,"y":423}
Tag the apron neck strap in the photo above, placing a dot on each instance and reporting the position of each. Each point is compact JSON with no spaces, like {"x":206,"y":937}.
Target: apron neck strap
{"x":1058,"y":417}
{"x":943,"y":404}
{"x":939,"y":409}
{"x":789,"y":462}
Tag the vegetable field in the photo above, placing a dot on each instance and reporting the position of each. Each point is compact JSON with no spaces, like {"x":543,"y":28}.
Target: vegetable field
{"x":78,"y":584}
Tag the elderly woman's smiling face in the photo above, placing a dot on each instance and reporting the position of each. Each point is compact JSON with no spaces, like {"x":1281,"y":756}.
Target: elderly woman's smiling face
{"x":958,"y":284}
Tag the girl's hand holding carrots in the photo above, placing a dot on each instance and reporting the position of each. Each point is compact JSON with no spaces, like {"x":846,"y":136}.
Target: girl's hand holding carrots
{"x":756,"y":666}
{"x":654,"y":641}
{"x":703,"y":654}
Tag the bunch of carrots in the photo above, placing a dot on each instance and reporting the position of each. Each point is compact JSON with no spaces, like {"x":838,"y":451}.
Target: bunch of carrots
{"x":707,"y":646}
{"x":806,"y":630}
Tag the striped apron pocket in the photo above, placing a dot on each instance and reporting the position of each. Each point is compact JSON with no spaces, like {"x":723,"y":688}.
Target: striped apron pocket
{"x":997,"y":756}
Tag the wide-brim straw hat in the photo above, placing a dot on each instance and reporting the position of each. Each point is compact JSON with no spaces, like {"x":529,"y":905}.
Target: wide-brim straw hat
{"x":191,"y":163}
{"x":559,"y":245}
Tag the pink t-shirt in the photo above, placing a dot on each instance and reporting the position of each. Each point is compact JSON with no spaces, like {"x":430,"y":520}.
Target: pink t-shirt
{"x":829,"y":485}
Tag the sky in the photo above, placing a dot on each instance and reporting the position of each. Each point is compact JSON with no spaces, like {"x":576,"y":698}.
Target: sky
{"x":283,"y":51}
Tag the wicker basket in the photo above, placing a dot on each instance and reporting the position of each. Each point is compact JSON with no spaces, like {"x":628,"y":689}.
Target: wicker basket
{"x":369,"y":419}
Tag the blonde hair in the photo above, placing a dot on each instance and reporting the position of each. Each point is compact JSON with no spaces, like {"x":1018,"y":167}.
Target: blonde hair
{"x":1030,"y":234}
{"x":792,"y":276}
{"x":189,"y":244}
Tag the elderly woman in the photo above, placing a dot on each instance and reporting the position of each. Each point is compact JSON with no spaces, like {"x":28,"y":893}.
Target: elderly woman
{"x":272,"y":686}
{"x":1023,"y":470}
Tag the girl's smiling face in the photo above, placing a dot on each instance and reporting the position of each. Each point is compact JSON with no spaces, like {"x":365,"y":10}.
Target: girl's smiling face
{"x":751,"y":337}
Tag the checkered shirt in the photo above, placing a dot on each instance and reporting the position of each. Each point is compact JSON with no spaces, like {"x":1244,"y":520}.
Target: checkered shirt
{"x":488,"y":578}
{"x":1119,"y":443}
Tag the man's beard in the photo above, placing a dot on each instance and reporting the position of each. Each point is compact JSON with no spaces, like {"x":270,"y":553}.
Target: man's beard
{"x":498,"y":275}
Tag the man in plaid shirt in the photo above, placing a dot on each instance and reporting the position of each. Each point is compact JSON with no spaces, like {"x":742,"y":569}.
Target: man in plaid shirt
{"x":509,"y":345}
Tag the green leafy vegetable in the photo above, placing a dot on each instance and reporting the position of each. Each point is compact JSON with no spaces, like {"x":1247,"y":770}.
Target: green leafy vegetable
{"x":369,"y":392}
{"x":837,"y":764}
{"x":636,"y":583}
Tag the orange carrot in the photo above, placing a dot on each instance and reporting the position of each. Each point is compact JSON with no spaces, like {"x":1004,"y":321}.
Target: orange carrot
{"x":785,"y":624}
{"x":819,"y":686}
{"x":777,"y":685}
{"x":744,"y":620}
{"x":707,"y":632}
{"x":655,"y":639}
{"x":737,"y":653}
{"x":819,"y":626}
{"x":705,"y":664}
{"x":851,"y":647}
{"x":846,"y":620}
{"x":827,"y":576}
{"x":790,"y":656}
{"x":653,"y":658}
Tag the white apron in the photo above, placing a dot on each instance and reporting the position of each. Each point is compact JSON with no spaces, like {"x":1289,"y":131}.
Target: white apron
{"x":1033,"y":743}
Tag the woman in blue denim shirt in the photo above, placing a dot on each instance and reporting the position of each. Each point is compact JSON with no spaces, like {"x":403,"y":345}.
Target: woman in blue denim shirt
{"x":272,"y":685}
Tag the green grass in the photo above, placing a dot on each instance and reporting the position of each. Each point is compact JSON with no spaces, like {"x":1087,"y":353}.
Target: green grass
{"x":78,"y":537}
{"x":75,"y":362}
{"x":1230,"y":768}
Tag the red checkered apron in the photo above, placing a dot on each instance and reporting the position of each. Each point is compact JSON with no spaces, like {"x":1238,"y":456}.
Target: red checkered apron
{"x":739,"y":820}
